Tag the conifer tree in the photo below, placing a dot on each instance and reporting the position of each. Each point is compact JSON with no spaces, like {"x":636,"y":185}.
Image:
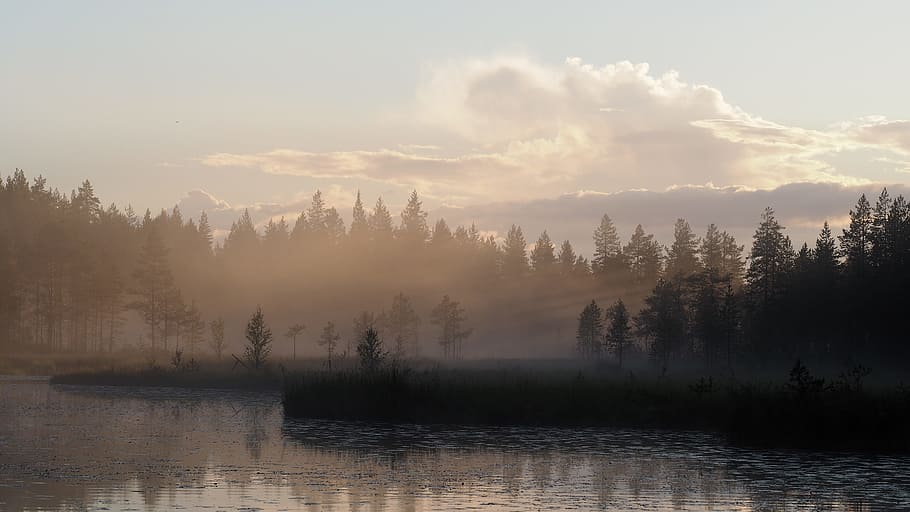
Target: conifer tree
{"x":771,"y":258}
{"x":259,"y":340}
{"x":381,"y":229}
{"x":543,"y":255}
{"x":360,"y":230}
{"x":682,"y":257}
{"x":663,"y":321}
{"x":442,"y":235}
{"x":205,"y":231}
{"x":514,"y":254}
{"x":826,"y":253}
{"x":643,"y":253}
{"x":413,"y":230}
{"x":856,"y":242}
{"x":567,"y":259}
{"x":880,"y":250}
{"x":607,"y":258}
{"x":371,"y":351}
{"x":590,"y":332}
{"x":619,"y":332}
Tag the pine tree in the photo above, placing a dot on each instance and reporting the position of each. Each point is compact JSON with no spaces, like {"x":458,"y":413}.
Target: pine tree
{"x":856,"y":242}
{"x":880,"y":251}
{"x":515,"y":255}
{"x":359,"y":326}
{"x":360,"y":229}
{"x":381,"y":229}
{"x":442,"y":235}
{"x":259,"y":340}
{"x":370,"y":350}
{"x":243,"y":240}
{"x":590,"y":332}
{"x":449,"y":316}
{"x":413,"y":230}
{"x":543,"y":256}
{"x":663,"y":321}
{"x":567,"y":259}
{"x":205,"y":231}
{"x":294,"y":331}
{"x":619,"y":332}
{"x":771,"y":258}
{"x":153,"y":283}
{"x":826,"y":263}
{"x":643,"y":253}
{"x":682,"y":257}
{"x":316,"y":216}
{"x":712,"y":251}
{"x":607,"y":258}
{"x":729,"y":317}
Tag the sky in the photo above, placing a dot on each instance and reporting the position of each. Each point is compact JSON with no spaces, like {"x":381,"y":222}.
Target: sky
{"x":540,"y":113}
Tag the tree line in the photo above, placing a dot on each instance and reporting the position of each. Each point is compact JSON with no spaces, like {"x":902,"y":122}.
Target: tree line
{"x":75,"y":275}
{"x":839,"y":301}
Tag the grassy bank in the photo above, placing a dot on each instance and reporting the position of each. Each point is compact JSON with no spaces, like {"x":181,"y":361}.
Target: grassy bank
{"x":785,"y":415}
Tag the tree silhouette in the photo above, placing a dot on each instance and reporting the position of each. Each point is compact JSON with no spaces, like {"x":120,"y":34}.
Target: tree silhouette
{"x":294,"y":331}
{"x":514,"y":254}
{"x":449,"y":316}
{"x":607,"y":249}
{"x":590,"y":332}
{"x":682,"y":257}
{"x":619,"y":332}
{"x":259,"y":340}
{"x":543,"y":256}
{"x":329,"y":340}
{"x":413,"y":230}
{"x":856,"y":242}
{"x":401,"y":324}
{"x":370,"y":349}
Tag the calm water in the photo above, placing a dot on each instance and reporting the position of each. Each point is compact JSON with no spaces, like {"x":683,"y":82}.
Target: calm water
{"x":99,"y":448}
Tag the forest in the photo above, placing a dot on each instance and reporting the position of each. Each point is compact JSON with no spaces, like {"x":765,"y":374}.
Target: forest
{"x":76,"y":276}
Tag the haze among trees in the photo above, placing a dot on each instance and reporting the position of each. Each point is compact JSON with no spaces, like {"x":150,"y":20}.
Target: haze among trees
{"x":77,"y":276}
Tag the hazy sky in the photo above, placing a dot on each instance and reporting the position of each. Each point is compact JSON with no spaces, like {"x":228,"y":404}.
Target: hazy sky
{"x":259,"y":103}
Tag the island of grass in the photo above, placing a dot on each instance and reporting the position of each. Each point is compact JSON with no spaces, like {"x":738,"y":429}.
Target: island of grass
{"x":796,"y":410}
{"x":803,"y":412}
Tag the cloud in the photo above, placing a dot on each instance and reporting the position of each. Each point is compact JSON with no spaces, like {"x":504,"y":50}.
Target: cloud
{"x":534,"y":131}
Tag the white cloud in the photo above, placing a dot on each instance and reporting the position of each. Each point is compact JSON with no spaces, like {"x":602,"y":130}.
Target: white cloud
{"x":540,"y":131}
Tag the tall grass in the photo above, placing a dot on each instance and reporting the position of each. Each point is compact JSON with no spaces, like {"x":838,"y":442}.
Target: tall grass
{"x":768,"y":415}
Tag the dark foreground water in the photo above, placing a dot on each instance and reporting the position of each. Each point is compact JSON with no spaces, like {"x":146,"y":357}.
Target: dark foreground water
{"x":100,"y":448}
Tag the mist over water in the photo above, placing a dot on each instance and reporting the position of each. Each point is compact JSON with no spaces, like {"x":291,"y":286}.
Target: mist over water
{"x":101,"y":448}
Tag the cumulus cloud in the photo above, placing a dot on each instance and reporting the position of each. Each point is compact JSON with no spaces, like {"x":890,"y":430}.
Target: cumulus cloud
{"x":539,"y":131}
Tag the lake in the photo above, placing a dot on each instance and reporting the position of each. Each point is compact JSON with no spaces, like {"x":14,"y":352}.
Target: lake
{"x":149,"y":449}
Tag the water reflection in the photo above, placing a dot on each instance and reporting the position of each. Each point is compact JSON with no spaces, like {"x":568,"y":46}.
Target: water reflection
{"x":146,"y":449}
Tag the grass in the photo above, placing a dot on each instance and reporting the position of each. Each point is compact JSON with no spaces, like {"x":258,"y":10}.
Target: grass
{"x":764,"y":415}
